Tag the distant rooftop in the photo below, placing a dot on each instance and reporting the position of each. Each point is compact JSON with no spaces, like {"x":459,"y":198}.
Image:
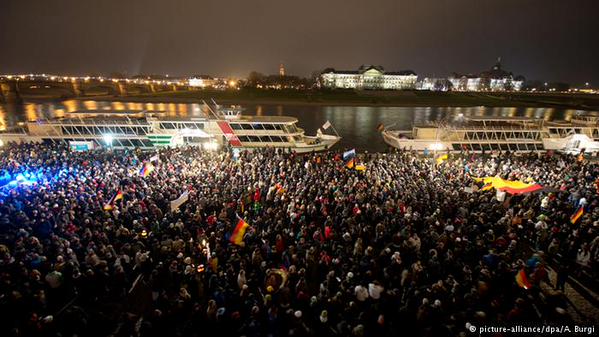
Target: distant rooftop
{"x":365,"y":67}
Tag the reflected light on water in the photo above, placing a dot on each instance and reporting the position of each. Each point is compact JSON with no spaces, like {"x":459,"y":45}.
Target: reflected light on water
{"x":89,"y":105}
{"x":119,"y":106}
{"x":2,"y":119}
{"x":73,"y":105}
{"x":31,"y":111}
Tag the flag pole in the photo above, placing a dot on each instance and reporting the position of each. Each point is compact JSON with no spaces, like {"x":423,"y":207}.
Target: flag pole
{"x":333,"y":126}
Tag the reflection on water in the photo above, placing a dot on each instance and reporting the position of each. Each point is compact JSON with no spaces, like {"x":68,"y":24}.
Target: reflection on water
{"x":357,"y":125}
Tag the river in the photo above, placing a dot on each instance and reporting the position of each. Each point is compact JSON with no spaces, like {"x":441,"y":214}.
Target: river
{"x":357,"y":125}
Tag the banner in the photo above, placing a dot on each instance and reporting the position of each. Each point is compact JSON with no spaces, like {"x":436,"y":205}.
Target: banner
{"x":500,"y":195}
{"x":179,"y":201}
{"x":349,"y":154}
{"x":326,"y":125}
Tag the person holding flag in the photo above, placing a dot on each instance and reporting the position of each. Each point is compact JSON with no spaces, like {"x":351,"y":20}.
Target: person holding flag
{"x":146,"y":169}
{"x":238,"y":232}
{"x":576,"y":216}
{"x":109,"y":206}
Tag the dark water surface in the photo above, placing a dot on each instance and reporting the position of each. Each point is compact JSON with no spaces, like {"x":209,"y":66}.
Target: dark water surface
{"x":357,"y":125}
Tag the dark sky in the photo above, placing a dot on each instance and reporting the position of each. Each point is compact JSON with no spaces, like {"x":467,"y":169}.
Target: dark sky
{"x":540,"y":39}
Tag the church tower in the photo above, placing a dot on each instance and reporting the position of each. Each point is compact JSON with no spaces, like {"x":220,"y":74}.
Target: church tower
{"x":281,"y":70}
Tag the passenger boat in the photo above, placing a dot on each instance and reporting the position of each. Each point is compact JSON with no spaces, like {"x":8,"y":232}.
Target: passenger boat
{"x":219,"y":127}
{"x":515,"y":134}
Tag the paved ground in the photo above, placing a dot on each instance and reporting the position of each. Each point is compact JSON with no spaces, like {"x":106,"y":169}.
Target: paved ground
{"x":581,"y":309}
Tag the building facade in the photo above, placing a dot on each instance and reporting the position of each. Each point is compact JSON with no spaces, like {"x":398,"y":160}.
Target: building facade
{"x":368,"y":78}
{"x":433,"y":84}
{"x":201,"y":81}
{"x":495,"y":79}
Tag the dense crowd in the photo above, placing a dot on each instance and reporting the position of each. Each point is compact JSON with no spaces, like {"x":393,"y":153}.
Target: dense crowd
{"x":409,"y":245}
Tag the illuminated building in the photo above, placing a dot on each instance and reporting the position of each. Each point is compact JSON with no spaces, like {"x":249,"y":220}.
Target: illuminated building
{"x":433,"y":84}
{"x":495,"y":79}
{"x":368,"y":77}
{"x":201,"y":81}
{"x":281,"y":70}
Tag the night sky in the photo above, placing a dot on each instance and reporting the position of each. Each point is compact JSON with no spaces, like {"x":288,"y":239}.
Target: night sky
{"x":553,"y":40}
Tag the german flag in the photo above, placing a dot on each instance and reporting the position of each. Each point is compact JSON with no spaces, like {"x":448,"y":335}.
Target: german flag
{"x":522,"y":279}
{"x":239,"y":232}
{"x":579,"y":213}
{"x":511,"y":187}
{"x":110,"y":204}
{"x":487,"y":187}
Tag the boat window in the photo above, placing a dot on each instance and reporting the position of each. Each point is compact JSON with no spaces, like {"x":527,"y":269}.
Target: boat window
{"x":494,"y":147}
{"x":244,"y":138}
{"x":504,"y":147}
{"x":167,"y":126}
{"x":146,"y":143}
{"x":258,"y":126}
{"x":194,"y":125}
{"x":235,"y":126}
{"x":278,"y":127}
{"x":456,"y":147}
{"x":264,"y":139}
{"x":476,"y":147}
{"x":297,"y":138}
{"x":269,"y":127}
{"x":254,"y":139}
{"x":292,"y":128}
{"x":246,"y":126}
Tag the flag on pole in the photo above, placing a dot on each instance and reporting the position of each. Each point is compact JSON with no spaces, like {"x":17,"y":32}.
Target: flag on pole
{"x":109,"y":206}
{"x":326,"y":125}
{"x":522,"y":279}
{"x":349,"y":154}
{"x":350,"y":164}
{"x":574,"y":218}
{"x":239,"y":232}
{"x":146,"y":169}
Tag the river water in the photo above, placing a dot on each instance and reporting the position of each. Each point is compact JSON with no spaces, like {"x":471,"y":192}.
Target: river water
{"x":357,"y":125}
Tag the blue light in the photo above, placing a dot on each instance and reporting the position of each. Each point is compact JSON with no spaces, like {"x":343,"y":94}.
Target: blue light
{"x":20,"y":177}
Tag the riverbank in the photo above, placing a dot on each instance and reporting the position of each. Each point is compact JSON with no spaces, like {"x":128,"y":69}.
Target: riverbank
{"x":358,"y":98}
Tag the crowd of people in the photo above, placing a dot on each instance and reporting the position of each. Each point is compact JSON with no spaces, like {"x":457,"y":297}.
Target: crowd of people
{"x":409,"y":245}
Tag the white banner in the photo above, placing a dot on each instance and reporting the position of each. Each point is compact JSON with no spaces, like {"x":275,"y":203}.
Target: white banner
{"x":179,"y":201}
{"x":154,"y":158}
{"x":326,"y":125}
{"x":500,"y":195}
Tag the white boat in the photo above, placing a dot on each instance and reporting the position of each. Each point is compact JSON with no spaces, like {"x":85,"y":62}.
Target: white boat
{"x":515,"y":134}
{"x":219,"y":128}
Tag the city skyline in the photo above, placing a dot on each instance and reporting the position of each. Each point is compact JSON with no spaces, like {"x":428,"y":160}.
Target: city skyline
{"x":541,"y":40}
